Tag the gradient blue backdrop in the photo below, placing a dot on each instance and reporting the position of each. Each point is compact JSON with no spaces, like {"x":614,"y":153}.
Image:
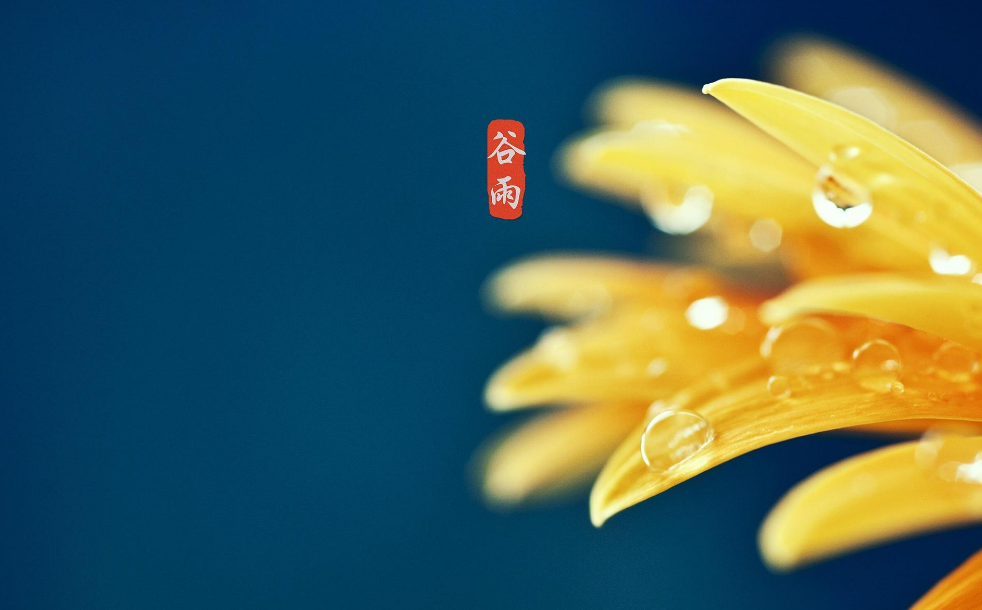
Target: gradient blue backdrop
{"x":241,"y":345}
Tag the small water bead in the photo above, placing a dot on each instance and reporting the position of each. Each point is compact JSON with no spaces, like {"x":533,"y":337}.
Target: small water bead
{"x":803,"y":345}
{"x":557,"y":346}
{"x":707,"y":313}
{"x":956,"y":362}
{"x":944,"y":263}
{"x":876,"y":365}
{"x":765,"y":234}
{"x":896,"y":388}
{"x":657,"y":367}
{"x":690,"y":213}
{"x":839,"y":200}
{"x":779,"y":386}
{"x":672,"y":437}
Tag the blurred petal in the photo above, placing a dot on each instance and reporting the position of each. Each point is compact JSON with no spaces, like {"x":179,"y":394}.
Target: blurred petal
{"x":945,"y":307}
{"x":556,"y":451}
{"x":960,"y":590}
{"x":626,"y":102}
{"x":850,"y":79}
{"x":637,"y":353}
{"x":918,"y":204}
{"x":566,"y":287}
{"x":656,"y":163}
{"x":745,"y":415}
{"x":872,"y":498}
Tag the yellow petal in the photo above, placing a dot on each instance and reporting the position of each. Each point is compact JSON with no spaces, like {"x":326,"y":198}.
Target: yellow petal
{"x":626,"y":102}
{"x":945,"y":307}
{"x":566,"y":287}
{"x":872,"y":498}
{"x":881,"y":94}
{"x":746,"y":415}
{"x":960,"y":590}
{"x":636,"y":353}
{"x":555,"y":452}
{"x":656,"y":164}
{"x":917,"y":202}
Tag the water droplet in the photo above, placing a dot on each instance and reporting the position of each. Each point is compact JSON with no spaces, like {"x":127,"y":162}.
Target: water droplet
{"x":673,"y":436}
{"x":896,"y":388}
{"x":765,"y":234}
{"x":956,"y":362}
{"x":810,"y":343}
{"x":779,"y":386}
{"x":839,"y":200}
{"x":682,"y":218}
{"x":876,"y":365}
{"x":557,"y":347}
{"x":944,"y":263}
{"x":657,"y":367}
{"x":928,"y":447}
{"x":707,"y":313}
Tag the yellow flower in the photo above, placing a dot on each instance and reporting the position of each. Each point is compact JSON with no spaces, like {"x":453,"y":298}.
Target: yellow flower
{"x":838,"y":225}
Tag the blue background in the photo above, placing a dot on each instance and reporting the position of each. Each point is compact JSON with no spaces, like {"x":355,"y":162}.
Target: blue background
{"x":241,"y":344}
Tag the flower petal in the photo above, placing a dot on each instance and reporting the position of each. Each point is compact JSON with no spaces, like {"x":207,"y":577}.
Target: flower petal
{"x":850,"y":79}
{"x":640,"y":352}
{"x":918,"y":203}
{"x":945,"y":307}
{"x":872,"y":498}
{"x":745,"y":416}
{"x":566,"y":287}
{"x":556,"y":451}
{"x":656,"y":163}
{"x":960,"y":590}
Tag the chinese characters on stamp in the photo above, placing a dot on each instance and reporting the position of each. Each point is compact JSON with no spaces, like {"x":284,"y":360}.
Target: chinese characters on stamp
{"x":506,"y":168}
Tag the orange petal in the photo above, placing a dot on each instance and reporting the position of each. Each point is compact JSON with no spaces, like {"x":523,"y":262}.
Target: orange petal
{"x":568,"y":286}
{"x":746,"y":415}
{"x":960,"y":590}
{"x":636,"y":353}
{"x":917,"y":203}
{"x":556,"y":451}
{"x":875,"y":497}
{"x":945,"y":307}
{"x":881,"y":94}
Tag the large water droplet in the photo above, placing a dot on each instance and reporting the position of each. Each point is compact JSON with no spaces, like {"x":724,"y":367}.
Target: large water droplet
{"x":876,"y":365}
{"x":944,"y":263}
{"x":956,"y":362}
{"x":690,"y":213}
{"x":839,"y":200}
{"x":806,"y":345}
{"x":673,"y":436}
{"x":707,"y":313}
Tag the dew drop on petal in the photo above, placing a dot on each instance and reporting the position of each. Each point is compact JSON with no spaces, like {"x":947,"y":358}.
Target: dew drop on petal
{"x":810,"y":343}
{"x":765,"y":234}
{"x":956,"y":362}
{"x":673,"y":436}
{"x":681,"y":218}
{"x":779,"y":386}
{"x":657,"y":367}
{"x":876,"y":365}
{"x":838,"y":200}
{"x":556,"y":346}
{"x":944,"y":263}
{"x":928,"y":447}
{"x":707,"y":313}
